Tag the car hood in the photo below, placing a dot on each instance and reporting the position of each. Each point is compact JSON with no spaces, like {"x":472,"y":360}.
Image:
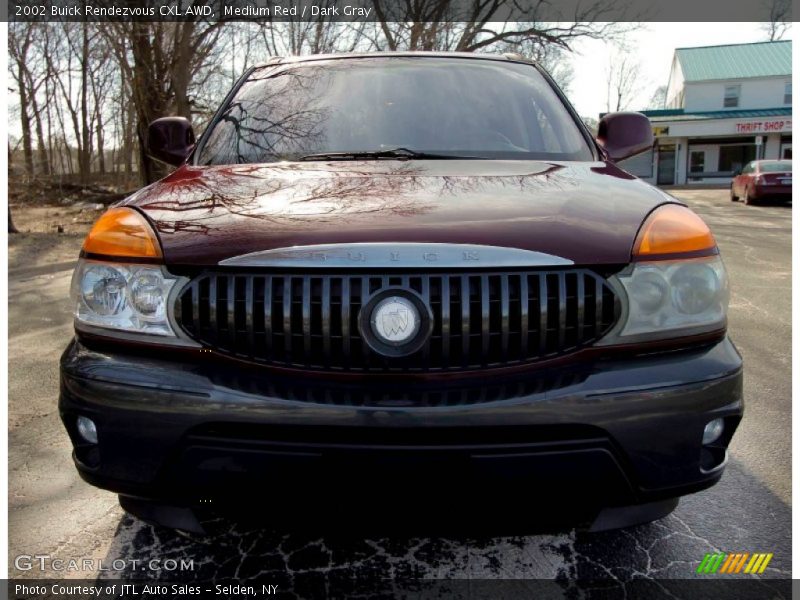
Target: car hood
{"x":586,"y":212}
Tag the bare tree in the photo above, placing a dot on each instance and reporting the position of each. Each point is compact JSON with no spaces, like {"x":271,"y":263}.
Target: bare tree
{"x":19,"y":41}
{"x":479,"y":25}
{"x":319,"y":36}
{"x":160,"y":62}
{"x":623,"y":81}
{"x":780,"y":17}
{"x":659,"y":98}
{"x":86,"y":92}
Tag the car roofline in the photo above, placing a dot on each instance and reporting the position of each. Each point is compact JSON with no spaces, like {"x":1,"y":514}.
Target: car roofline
{"x":288,"y":60}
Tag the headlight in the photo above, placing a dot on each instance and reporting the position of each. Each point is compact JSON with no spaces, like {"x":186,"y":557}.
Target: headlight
{"x":671,"y":298}
{"x":114,"y":295}
{"x":124,"y":297}
{"x":671,"y":295}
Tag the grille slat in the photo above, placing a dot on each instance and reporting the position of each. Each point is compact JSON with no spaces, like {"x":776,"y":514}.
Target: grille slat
{"x":485,"y":320}
{"x":580,"y":315}
{"x":504,"y":316}
{"x":562,"y":309}
{"x":267,"y":315}
{"x":249,"y":309}
{"x":307,"y":315}
{"x":598,"y":307}
{"x":287,"y":317}
{"x":465,"y":319}
{"x":445,"y":324}
{"x":195,"y":288}
{"x":326,"y":318}
{"x":231,"y":310}
{"x":212,"y":310}
{"x":523,"y":314}
{"x":481,"y":320}
{"x":426,"y":297}
{"x":542,"y":314}
{"x":345,"y":327}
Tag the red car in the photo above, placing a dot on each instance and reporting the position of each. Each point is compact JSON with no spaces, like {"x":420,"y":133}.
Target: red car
{"x":761,"y":179}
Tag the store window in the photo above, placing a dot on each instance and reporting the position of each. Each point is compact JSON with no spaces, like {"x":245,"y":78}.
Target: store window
{"x":732,"y":93}
{"x":787,"y":92}
{"x":697,"y":161}
{"x":733,"y":158}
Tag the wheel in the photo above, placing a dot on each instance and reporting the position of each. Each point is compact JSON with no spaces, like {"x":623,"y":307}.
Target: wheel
{"x":749,"y":200}
{"x":734,"y":198}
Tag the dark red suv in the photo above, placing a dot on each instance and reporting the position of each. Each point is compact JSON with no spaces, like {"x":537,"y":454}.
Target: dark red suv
{"x":403,"y":275}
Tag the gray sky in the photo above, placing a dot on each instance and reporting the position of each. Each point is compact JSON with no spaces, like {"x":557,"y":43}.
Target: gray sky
{"x":654,"y":46}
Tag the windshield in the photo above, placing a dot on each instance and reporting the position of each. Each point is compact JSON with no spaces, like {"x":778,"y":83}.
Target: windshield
{"x":777,"y":166}
{"x":436,"y":106}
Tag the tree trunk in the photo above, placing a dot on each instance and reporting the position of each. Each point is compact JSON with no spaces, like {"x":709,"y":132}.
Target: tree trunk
{"x":11,"y":228}
{"x":182,"y":72}
{"x":25,"y":121}
{"x":127,"y":148}
{"x":84,"y":158}
{"x":41,"y":146}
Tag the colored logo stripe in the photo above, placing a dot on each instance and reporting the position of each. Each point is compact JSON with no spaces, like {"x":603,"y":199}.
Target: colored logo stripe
{"x":758,"y":563}
{"x":711,"y":562}
{"x":730,"y":562}
{"x":740,"y":564}
{"x":734,"y":562}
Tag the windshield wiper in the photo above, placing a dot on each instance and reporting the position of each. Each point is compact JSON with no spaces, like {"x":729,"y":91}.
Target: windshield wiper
{"x":395,"y":153}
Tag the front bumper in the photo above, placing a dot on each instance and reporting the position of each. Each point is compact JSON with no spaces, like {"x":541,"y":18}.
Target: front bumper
{"x":611,"y":432}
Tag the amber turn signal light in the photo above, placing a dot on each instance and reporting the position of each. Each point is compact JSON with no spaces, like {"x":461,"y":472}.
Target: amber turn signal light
{"x":673,"y":229}
{"x":122,"y":232}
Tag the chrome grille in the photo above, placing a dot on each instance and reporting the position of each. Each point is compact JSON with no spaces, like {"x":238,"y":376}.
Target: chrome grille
{"x":481,"y":320}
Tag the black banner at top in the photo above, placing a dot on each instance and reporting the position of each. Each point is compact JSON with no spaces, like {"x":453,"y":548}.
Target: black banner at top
{"x":385,"y":10}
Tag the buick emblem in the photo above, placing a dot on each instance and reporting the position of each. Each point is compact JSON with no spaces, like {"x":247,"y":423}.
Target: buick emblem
{"x":395,"y":322}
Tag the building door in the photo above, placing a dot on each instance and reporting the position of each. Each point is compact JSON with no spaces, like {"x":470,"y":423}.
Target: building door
{"x":666,"y":165}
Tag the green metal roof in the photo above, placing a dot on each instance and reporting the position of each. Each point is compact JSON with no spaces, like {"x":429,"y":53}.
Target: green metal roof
{"x":736,"y":61}
{"x":678,"y":114}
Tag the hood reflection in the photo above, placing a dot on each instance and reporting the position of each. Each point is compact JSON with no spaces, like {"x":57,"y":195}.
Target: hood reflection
{"x":206,"y":214}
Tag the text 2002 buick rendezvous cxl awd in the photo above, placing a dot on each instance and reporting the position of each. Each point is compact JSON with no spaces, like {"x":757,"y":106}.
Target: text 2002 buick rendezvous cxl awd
{"x":416,"y":271}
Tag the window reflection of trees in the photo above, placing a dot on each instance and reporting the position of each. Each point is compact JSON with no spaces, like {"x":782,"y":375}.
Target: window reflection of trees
{"x":271,"y":118}
{"x":284,"y":113}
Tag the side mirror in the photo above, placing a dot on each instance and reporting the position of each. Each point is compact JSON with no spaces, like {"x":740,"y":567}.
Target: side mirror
{"x":624,"y":134}
{"x":170,"y":139}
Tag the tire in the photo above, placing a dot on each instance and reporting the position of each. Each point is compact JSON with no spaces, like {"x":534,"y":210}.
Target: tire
{"x":734,"y":197}
{"x":748,"y":199}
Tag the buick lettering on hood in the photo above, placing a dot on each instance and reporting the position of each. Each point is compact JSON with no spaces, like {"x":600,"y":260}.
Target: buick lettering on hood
{"x":412,"y":270}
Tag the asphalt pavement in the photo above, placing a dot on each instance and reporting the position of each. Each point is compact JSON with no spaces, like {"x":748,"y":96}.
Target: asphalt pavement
{"x":53,"y":513}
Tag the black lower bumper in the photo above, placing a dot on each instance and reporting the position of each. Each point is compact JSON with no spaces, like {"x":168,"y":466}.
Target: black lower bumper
{"x":612,"y":432}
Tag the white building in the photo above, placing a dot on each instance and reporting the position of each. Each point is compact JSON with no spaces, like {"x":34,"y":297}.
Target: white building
{"x":726,"y":105}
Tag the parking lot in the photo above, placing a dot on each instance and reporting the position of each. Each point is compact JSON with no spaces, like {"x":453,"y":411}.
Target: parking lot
{"x":53,"y":512}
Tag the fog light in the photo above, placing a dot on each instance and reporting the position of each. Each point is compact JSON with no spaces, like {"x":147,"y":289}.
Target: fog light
{"x":712,"y":431}
{"x":88,"y":430}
